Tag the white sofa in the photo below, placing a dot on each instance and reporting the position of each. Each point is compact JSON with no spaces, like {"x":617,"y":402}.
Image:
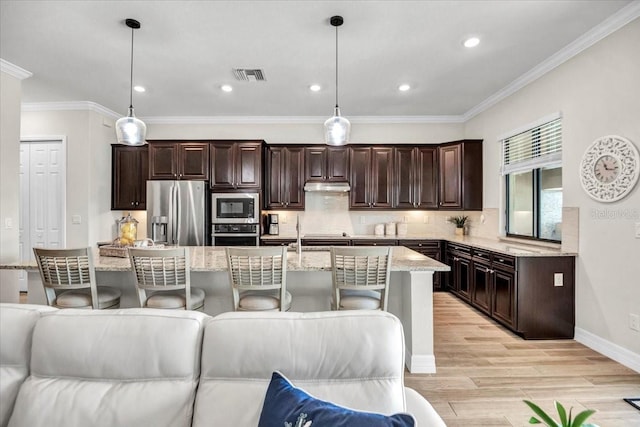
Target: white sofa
{"x":146,"y":367}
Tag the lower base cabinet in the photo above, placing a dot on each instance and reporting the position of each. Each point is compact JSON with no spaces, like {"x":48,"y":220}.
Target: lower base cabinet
{"x":518,"y":292}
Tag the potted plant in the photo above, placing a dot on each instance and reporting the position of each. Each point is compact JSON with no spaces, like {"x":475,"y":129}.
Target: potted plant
{"x":565,"y":419}
{"x":460,"y":221}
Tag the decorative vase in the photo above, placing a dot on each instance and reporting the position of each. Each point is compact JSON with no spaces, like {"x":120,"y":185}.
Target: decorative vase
{"x":459,"y":231}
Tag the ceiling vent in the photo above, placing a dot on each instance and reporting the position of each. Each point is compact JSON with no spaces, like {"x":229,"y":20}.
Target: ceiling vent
{"x":249,"y":74}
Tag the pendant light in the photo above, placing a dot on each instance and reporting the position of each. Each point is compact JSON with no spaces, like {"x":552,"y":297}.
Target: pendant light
{"x":336,"y":128}
{"x":130,"y":130}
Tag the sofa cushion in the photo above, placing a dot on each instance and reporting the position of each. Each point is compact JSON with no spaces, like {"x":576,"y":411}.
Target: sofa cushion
{"x":16,"y":328}
{"x":131,"y":367}
{"x":354,"y":359}
{"x":287,"y":405}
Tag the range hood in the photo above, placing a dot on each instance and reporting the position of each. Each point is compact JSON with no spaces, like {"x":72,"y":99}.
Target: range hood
{"x":327,"y":187}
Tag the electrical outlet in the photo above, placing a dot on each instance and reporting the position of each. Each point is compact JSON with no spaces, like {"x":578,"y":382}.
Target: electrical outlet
{"x":425,"y":219}
{"x":283,"y":219}
{"x":637,"y":230}
{"x":558,"y":279}
{"x":634,"y":322}
{"x":8,"y":223}
{"x":76,"y":219}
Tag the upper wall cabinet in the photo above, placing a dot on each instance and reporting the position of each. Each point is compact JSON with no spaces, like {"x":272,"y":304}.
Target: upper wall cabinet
{"x":460,"y":165}
{"x":371,"y":178}
{"x":178,"y":160}
{"x":284,"y":176}
{"x":236,"y":165}
{"x":129,"y":174}
{"x":416,"y":177}
{"x":326,"y":164}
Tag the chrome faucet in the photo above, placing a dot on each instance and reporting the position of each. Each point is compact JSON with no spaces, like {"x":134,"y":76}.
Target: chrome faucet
{"x":298,"y":241}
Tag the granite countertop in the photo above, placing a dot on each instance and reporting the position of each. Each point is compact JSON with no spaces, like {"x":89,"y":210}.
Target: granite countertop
{"x":210,"y":258}
{"x":505,"y":247}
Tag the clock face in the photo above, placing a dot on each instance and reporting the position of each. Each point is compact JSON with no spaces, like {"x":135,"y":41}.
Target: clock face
{"x":610,"y":168}
{"x":606,"y":169}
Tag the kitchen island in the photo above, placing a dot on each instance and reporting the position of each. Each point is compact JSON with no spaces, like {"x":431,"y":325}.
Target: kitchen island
{"x":308,"y":280}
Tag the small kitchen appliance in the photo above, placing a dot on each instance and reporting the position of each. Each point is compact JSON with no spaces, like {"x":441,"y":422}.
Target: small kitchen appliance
{"x":273,"y":226}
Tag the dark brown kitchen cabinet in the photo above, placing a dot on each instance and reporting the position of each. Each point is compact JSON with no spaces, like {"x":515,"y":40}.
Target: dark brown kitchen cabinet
{"x":276,"y":242}
{"x":430,"y":248}
{"x":326,"y":164}
{"x":371,"y":178}
{"x":481,"y":287}
{"x":284,"y":177}
{"x":374,"y":242}
{"x":236,"y":165}
{"x":460,"y":175}
{"x":129,"y":174}
{"x":178,"y":160}
{"x":458,"y":257}
{"x":416,"y":177}
{"x":325,"y":242}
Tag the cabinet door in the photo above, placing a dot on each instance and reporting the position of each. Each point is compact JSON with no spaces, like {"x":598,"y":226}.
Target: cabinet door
{"x":503,"y":298}
{"x":247,"y":167}
{"x":426,"y":180}
{"x":276,"y":178}
{"x":222,"y":166}
{"x":382,"y":177}
{"x":163,"y":160}
{"x":193,"y":161}
{"x":450,"y":164}
{"x":294,"y":178}
{"x":337,"y":164}
{"x":481,"y":288}
{"x":315,"y":162}
{"x":360,"y":177}
{"x":405,"y":179}
{"x":463,"y":277}
{"x":129,"y":177}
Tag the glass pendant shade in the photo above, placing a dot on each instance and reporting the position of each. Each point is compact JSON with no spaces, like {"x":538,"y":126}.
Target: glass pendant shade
{"x":131,"y":130}
{"x":336,"y":129}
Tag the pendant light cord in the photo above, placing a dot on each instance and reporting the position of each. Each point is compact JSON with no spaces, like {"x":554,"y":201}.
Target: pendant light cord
{"x":131,"y":78}
{"x":336,"y":66}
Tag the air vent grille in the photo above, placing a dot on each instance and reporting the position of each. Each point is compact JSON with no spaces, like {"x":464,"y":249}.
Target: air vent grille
{"x":249,"y":74}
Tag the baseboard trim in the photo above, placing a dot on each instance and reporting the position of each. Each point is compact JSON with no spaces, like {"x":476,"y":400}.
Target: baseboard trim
{"x":613,"y":351}
{"x":425,"y":364}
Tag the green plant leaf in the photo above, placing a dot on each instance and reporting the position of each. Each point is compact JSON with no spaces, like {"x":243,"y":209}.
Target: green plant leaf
{"x":543,"y":415}
{"x":563,"y":414}
{"x":582,"y":417}
{"x":534,"y":420}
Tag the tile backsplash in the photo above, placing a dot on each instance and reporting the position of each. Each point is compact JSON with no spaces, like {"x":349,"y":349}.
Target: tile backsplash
{"x":328,"y":213}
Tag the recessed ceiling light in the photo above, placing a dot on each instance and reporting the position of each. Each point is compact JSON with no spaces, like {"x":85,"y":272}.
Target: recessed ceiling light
{"x":226,"y":88}
{"x":314,"y":88}
{"x":139,"y":88}
{"x":472,"y":42}
{"x":404,"y":87}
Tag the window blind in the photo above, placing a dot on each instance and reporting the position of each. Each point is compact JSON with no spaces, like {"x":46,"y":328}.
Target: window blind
{"x":535,"y":148}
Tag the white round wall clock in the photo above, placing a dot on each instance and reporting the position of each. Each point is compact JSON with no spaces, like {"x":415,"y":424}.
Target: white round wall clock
{"x":609,"y":169}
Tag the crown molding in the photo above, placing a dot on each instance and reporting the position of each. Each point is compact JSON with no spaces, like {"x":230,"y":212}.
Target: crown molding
{"x":14,"y":70}
{"x":230,"y":120}
{"x":69,"y":106}
{"x":588,"y":39}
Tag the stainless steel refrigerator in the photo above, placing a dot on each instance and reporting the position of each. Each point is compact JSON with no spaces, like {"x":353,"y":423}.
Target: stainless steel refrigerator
{"x":176,"y":212}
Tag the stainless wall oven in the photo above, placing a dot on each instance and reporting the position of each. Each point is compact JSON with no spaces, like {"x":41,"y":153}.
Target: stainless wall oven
{"x":235,"y":235}
{"x":235,"y":219}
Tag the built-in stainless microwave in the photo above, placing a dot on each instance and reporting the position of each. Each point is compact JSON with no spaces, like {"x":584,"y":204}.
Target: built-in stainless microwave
{"x":235,"y":208}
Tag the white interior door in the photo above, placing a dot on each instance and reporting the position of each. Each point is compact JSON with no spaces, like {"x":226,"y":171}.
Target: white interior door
{"x":42,"y":197}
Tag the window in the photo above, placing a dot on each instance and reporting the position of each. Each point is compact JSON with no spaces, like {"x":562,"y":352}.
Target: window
{"x":533,"y":173}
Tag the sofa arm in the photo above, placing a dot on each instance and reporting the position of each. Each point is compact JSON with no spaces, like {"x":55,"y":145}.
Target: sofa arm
{"x":422,"y":410}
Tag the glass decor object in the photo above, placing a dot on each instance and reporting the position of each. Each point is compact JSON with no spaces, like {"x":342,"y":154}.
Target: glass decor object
{"x":130,"y":130}
{"x":128,"y":230}
{"x":336,"y":128}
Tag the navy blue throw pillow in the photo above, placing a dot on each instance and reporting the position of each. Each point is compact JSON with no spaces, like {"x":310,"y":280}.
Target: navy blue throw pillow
{"x":288,"y":406}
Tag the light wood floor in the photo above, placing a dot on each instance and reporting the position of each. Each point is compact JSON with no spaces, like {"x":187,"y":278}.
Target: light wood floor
{"x":484,"y":372}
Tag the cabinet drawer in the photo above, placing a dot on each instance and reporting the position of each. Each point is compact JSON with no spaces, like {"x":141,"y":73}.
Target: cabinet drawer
{"x":381,"y":242}
{"x":459,"y":248}
{"x":479,"y":254}
{"x":426,"y":244}
{"x":506,"y":261}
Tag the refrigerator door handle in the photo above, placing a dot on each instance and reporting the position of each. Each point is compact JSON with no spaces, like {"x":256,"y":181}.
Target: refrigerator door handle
{"x":178,"y":203}
{"x":174,"y":213}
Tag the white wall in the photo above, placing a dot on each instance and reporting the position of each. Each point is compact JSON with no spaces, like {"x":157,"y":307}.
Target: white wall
{"x":598,"y":93}
{"x":9,"y":178}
